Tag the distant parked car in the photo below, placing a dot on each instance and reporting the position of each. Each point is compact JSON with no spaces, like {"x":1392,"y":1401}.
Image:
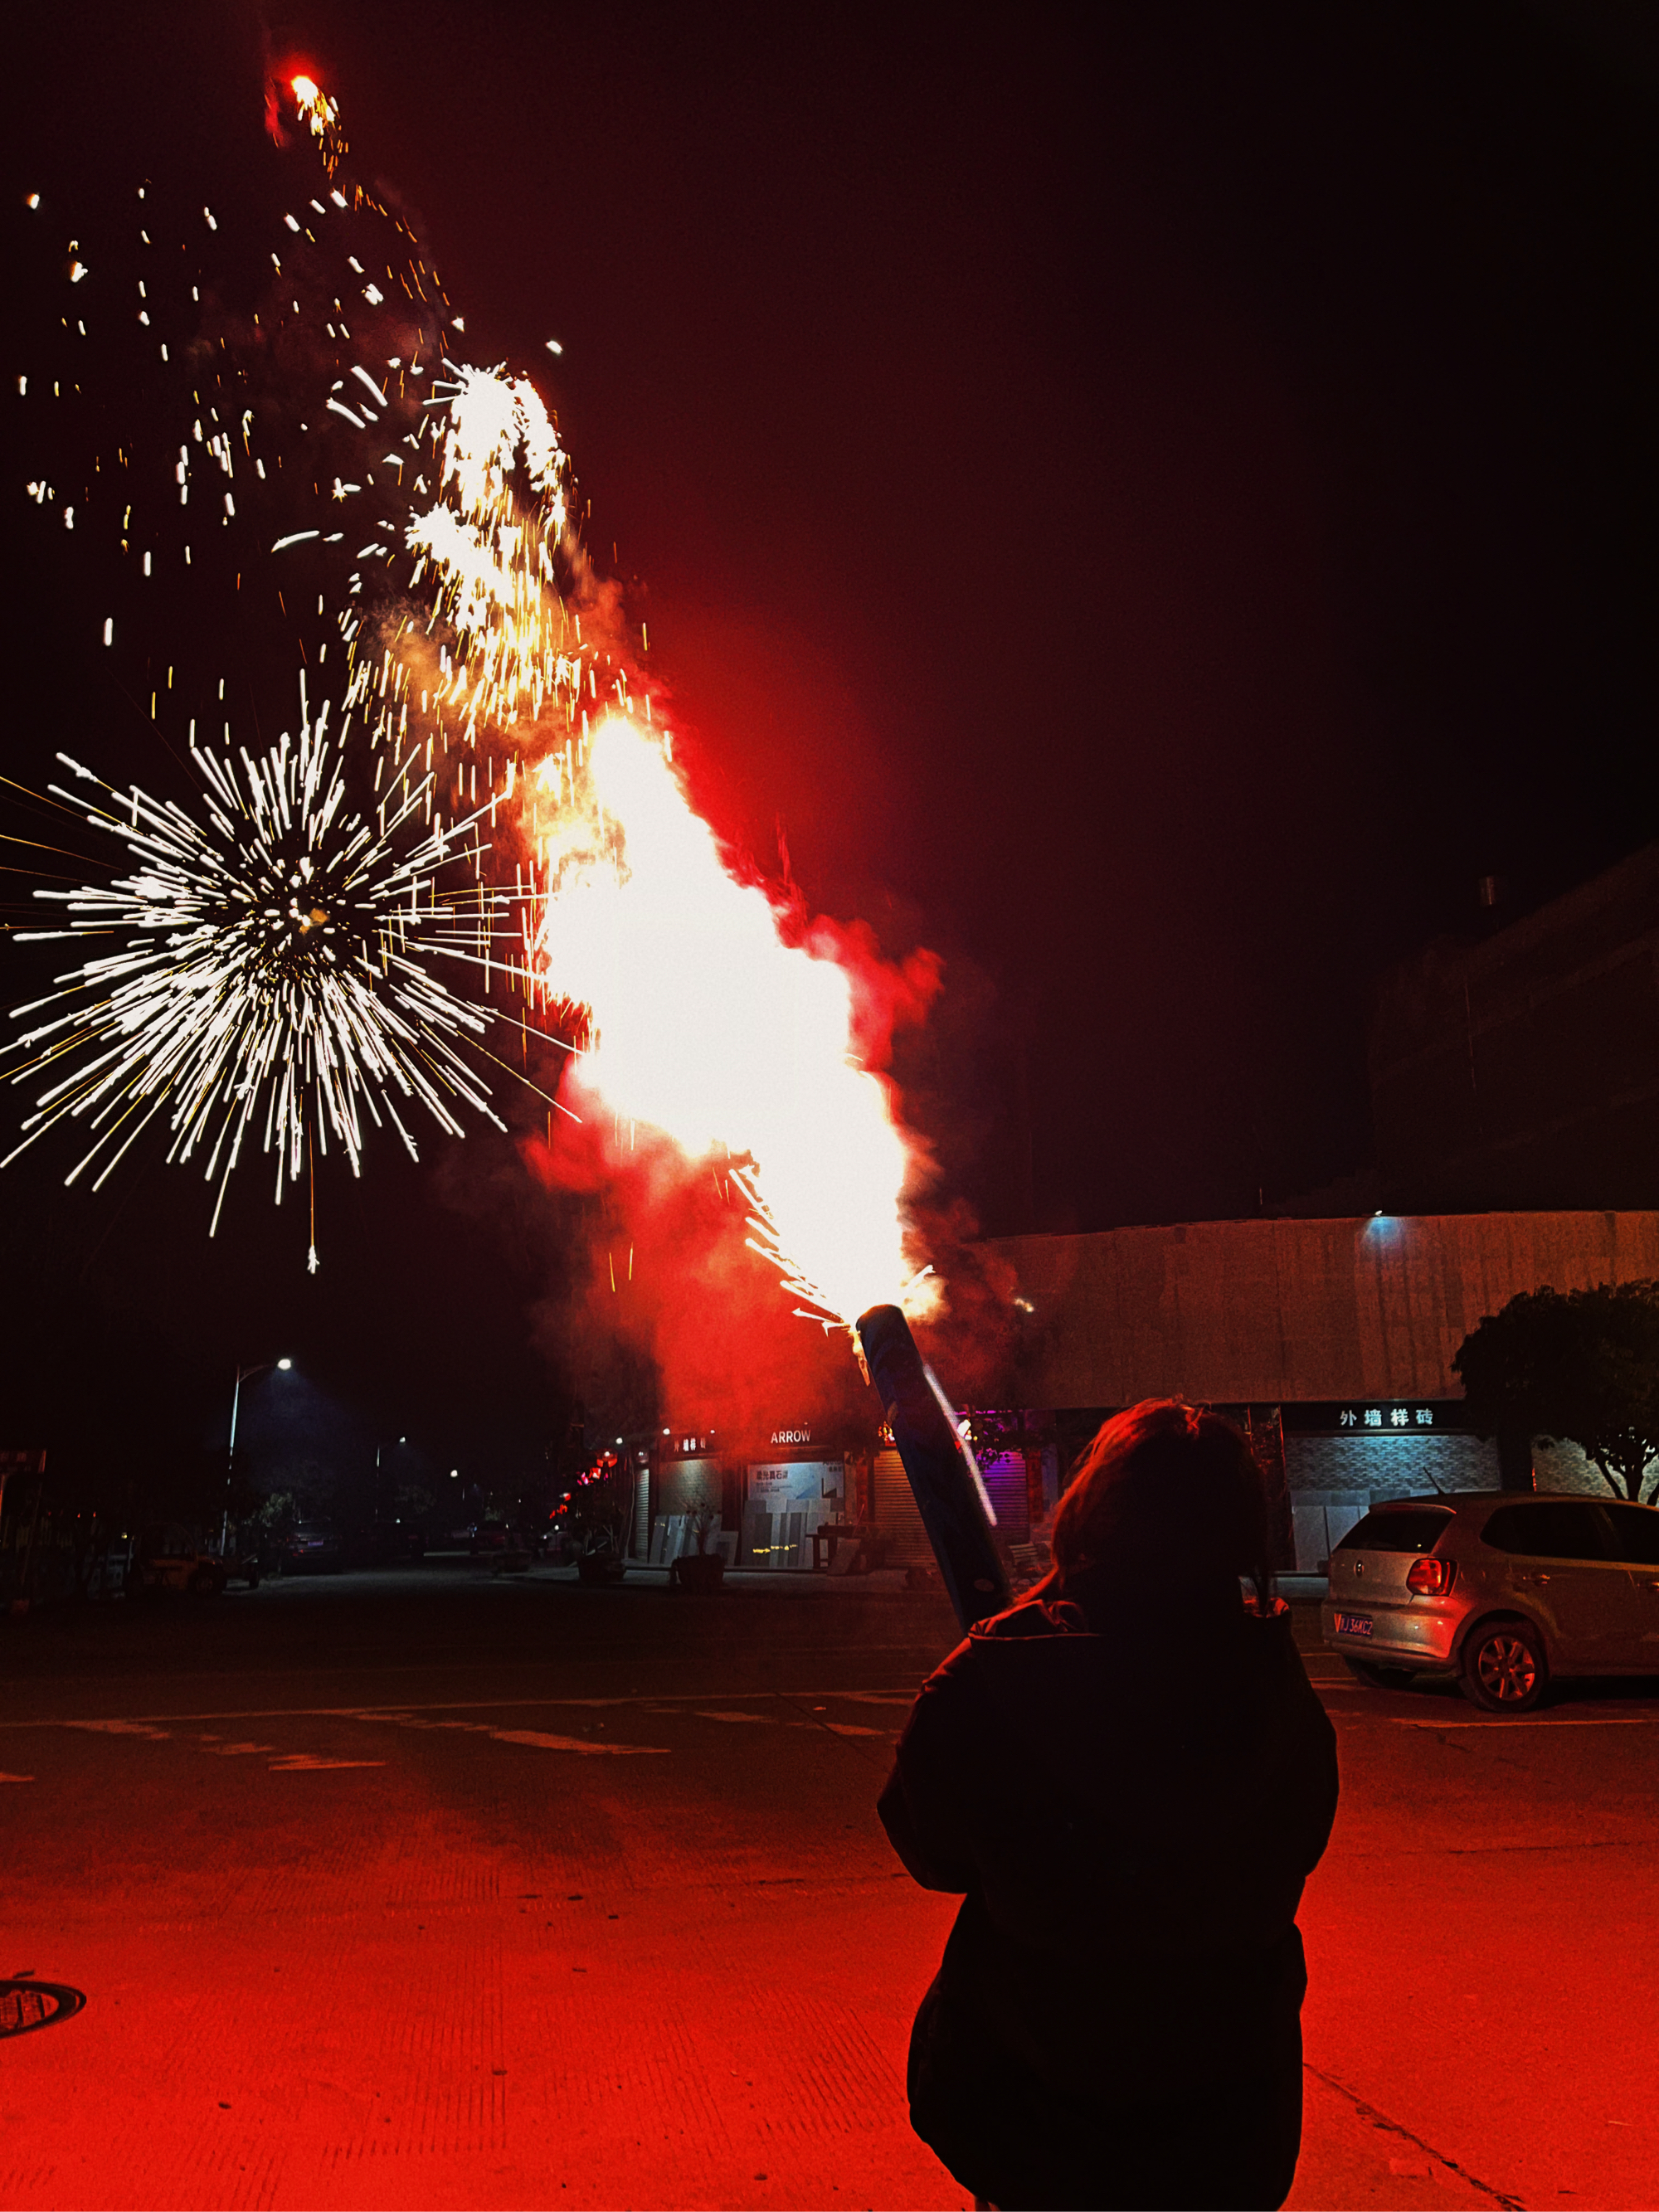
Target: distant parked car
{"x":1501,"y":1589}
{"x":170,"y":1557}
{"x":370,"y":1543}
{"x":312,"y":1548}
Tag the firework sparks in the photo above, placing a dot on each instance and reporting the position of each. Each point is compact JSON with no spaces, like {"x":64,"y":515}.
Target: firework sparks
{"x":266,"y":967}
{"x":277,"y":954}
{"x":700,"y":1020}
{"x":275,"y":977}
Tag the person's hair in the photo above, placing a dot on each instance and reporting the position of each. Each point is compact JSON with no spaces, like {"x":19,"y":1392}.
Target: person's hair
{"x":1165,"y":1483}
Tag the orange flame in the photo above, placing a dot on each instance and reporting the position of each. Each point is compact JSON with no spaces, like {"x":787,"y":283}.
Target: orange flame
{"x":707,"y":1025}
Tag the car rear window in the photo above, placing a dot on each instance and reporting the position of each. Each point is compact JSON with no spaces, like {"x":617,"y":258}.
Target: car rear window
{"x":1635,"y":1532}
{"x":1398,"y":1528}
{"x":1554,"y":1528}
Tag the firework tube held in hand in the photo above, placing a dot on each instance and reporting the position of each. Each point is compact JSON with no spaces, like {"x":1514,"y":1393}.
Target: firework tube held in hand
{"x":949,"y":1495}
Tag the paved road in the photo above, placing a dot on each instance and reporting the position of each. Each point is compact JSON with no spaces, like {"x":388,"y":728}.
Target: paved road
{"x":431,"y":1888}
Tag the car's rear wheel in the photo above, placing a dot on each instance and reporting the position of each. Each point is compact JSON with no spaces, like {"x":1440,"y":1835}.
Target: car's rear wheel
{"x":203,"y":1582}
{"x":1377,"y":1676}
{"x":1505,"y":1669}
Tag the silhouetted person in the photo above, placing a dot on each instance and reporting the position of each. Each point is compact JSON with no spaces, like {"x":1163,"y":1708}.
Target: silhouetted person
{"x":1130,"y":1776}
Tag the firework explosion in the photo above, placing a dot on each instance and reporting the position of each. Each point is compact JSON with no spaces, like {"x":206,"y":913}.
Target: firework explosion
{"x":279,"y":954}
{"x":488,"y":670}
{"x":272,"y":970}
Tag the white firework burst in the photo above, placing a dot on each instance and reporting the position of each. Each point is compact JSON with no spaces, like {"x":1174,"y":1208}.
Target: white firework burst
{"x":274,"y":974}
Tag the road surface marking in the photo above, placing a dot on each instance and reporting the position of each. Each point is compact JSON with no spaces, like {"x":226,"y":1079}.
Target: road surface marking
{"x":121,"y":1728}
{"x":536,"y":1739}
{"x":149,"y":1723}
{"x":578,"y":1744}
{"x":302,"y":1762}
{"x":16,"y":1777}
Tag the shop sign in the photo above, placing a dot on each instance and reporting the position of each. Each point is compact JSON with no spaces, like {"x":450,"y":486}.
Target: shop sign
{"x":1387,"y":1417}
{"x":791,"y":1437}
{"x":795,"y":1480}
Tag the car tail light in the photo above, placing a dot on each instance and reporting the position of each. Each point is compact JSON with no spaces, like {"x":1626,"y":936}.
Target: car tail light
{"x":1431,"y":1578}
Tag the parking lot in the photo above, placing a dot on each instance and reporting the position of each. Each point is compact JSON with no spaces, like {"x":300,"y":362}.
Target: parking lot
{"x":429,"y":1887}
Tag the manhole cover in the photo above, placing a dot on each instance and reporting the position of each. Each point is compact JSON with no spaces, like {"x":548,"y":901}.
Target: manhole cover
{"x":24,"y":2005}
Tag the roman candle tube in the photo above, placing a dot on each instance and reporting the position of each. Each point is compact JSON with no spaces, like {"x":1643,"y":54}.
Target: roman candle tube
{"x":949,"y":1494}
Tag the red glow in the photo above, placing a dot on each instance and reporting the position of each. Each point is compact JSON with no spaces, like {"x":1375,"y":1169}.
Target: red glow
{"x":283,"y":96}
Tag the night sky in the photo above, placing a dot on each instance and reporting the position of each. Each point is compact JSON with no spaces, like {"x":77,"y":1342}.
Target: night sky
{"x":1152,"y":506}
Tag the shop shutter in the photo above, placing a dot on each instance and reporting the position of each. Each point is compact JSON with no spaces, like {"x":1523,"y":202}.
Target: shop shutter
{"x":1004,"y":1479}
{"x":641,"y":1532}
{"x":896,"y":1516}
{"x":685,"y":1483}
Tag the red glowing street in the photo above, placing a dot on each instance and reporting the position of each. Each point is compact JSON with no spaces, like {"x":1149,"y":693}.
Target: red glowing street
{"x":437,"y":1889}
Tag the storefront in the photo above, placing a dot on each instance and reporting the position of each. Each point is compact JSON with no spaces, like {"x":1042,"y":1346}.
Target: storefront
{"x":686,"y":1480}
{"x":785,"y":1499}
{"x":765,"y":1506}
{"x":1343,"y":1457}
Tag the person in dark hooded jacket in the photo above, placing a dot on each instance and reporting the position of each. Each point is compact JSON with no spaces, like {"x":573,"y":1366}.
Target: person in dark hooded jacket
{"x":1128,"y":1777}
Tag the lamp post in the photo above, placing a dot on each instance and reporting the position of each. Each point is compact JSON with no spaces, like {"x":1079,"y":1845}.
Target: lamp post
{"x":243,"y":1374}
{"x":379,"y":1448}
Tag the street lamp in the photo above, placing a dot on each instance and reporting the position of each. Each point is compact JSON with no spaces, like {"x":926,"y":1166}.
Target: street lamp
{"x":379,"y":1448}
{"x":243,"y":1375}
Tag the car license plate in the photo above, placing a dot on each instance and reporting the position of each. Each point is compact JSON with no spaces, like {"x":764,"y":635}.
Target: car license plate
{"x":1354,"y":1624}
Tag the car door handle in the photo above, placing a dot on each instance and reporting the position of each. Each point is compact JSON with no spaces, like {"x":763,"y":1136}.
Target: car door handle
{"x":1649,"y":1582}
{"x":1531,"y":1578}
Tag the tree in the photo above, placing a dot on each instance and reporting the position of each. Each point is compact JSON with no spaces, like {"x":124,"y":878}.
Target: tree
{"x":1579,"y":1365}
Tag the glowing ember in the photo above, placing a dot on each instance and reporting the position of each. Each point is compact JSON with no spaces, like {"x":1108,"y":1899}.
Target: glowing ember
{"x":323,"y":115}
